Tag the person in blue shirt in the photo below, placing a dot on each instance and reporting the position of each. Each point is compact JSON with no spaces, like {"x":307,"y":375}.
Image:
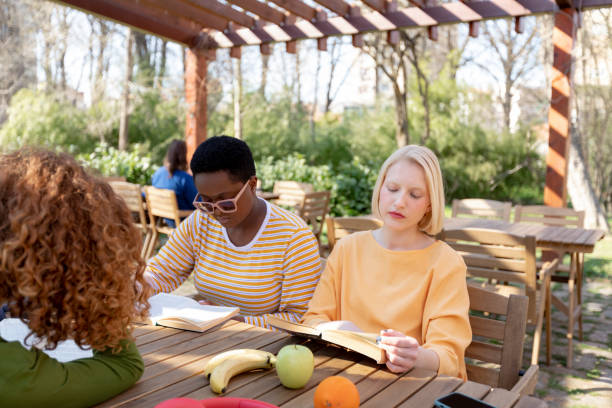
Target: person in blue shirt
{"x":172,"y":176}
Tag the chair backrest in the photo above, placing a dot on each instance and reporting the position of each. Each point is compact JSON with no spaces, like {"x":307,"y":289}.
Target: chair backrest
{"x":499,"y":255}
{"x":543,"y":214}
{"x":495,"y":319}
{"x":132,"y":195}
{"x":291,"y":193}
{"x":339,"y":227}
{"x":161,"y":203}
{"x":108,"y":179}
{"x":481,"y":208}
{"x":313,"y":209}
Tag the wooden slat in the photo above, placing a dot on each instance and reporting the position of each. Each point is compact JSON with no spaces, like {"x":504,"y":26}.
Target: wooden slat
{"x":484,"y":352}
{"x":426,"y":396}
{"x":503,"y":276}
{"x":198,"y":382}
{"x":501,"y":398}
{"x":224,"y":11}
{"x":297,"y":7}
{"x":203,"y":20}
{"x":356,"y":373}
{"x":155,"y":335}
{"x":483,"y":300}
{"x":512,"y":354}
{"x":492,"y":329}
{"x":473,"y":389}
{"x":405,"y":386}
{"x":260,"y":9}
{"x":476,"y":261}
{"x":338,"y":6}
{"x":491,"y":250}
{"x":483,"y":375}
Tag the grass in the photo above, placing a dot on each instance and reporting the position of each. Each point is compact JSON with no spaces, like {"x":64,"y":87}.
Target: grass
{"x":599,"y":263}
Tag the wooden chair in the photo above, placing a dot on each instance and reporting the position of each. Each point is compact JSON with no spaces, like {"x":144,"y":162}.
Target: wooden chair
{"x":498,"y":318}
{"x":132,"y":195}
{"x":571,"y":273}
{"x":161,"y":204}
{"x":339,"y":227}
{"x":291,"y":193}
{"x":313,"y":209}
{"x":508,"y":258}
{"x":478,"y":207}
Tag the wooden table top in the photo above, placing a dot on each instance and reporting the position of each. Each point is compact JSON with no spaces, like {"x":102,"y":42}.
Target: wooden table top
{"x":560,"y":238}
{"x":175,"y":360}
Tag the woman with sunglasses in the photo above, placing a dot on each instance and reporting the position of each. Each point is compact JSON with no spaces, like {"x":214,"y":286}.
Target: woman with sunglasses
{"x":243,"y":251}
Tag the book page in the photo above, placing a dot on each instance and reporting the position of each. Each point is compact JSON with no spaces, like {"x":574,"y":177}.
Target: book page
{"x":16,"y":330}
{"x":166,"y":306}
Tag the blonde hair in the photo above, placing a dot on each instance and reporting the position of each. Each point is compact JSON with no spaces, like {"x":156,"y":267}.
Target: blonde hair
{"x":431,"y":223}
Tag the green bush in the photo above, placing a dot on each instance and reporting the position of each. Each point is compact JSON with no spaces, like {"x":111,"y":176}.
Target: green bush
{"x":350,"y":184}
{"x":109,"y":161}
{"x":38,"y":119}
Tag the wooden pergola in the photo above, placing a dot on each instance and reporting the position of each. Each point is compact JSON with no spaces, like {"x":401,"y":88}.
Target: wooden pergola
{"x":204,"y":26}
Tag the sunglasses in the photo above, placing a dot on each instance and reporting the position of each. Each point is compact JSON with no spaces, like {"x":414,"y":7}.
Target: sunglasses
{"x":224,"y":206}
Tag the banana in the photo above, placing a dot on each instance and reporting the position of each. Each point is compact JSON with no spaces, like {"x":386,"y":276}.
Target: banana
{"x":240,"y":363}
{"x":221,"y":357}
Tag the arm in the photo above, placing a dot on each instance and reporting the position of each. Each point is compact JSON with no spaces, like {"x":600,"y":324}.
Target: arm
{"x":30,"y":378}
{"x":175,"y":261}
{"x":324,"y":305}
{"x":302,"y":269}
{"x":446,"y":327}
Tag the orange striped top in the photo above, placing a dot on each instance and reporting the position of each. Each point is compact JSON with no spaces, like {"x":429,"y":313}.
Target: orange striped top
{"x":276,"y":272}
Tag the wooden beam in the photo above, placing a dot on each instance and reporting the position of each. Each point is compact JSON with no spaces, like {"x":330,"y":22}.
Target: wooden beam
{"x":224,"y":11}
{"x":261,"y":10}
{"x":186,"y":11}
{"x":445,"y":13}
{"x":339,"y":7}
{"x":377,"y":5}
{"x":138,"y":17}
{"x":297,"y":8}
{"x":564,"y":37}
{"x":195,"y":97}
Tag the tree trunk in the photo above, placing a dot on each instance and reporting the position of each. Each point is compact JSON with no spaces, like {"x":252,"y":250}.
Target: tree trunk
{"x":298,"y":85}
{"x":125,"y":103}
{"x":161,"y":70}
{"x":401,"y":117}
{"x":580,"y":188}
{"x":313,"y":109}
{"x":237,"y":74}
{"x":265,"y":61}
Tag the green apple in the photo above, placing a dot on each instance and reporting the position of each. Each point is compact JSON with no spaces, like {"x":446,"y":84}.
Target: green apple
{"x":294,"y":365}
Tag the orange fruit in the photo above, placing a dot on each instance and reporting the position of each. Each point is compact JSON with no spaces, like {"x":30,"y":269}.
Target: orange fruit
{"x":336,"y":392}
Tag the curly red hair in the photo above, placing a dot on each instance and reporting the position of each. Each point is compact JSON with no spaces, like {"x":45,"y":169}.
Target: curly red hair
{"x":70,"y":263}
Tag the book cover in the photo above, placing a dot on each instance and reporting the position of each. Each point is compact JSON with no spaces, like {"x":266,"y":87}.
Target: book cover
{"x":181,"y":312}
{"x":363,"y":343}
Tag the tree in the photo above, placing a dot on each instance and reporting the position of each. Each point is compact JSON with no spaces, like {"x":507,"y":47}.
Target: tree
{"x":125,"y":100}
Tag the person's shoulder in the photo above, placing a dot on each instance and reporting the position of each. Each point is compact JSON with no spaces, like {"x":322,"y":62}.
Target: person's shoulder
{"x":159,"y":172}
{"x":358,"y":239}
{"x":447,"y":254}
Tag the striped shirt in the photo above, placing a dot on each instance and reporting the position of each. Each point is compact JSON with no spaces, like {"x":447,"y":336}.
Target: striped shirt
{"x":276,"y":273}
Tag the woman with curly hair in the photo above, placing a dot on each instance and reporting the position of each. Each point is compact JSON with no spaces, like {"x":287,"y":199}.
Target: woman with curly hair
{"x":70,"y":268}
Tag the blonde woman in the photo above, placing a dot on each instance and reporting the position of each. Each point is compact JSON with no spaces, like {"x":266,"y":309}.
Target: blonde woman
{"x":399,"y":279}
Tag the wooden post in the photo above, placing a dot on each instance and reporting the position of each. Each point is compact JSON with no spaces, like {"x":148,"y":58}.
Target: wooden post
{"x":195,"y":95}
{"x":555,"y":191}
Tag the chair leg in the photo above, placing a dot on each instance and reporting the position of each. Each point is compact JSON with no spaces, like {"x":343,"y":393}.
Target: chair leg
{"x":571,"y":288}
{"x":152,"y":242}
{"x":548,"y":307}
{"x":579,"y":270}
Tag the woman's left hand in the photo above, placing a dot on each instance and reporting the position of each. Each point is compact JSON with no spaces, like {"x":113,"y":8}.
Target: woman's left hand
{"x":402,"y":351}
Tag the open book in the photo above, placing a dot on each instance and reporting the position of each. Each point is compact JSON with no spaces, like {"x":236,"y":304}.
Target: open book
{"x":363,"y":343}
{"x":181,"y":312}
{"x":67,"y":350}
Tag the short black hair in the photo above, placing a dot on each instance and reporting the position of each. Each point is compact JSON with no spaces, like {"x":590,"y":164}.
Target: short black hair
{"x":224,"y":153}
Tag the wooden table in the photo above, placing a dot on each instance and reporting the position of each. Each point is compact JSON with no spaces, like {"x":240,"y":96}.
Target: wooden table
{"x":548,"y":237}
{"x":175,"y":360}
{"x":267,"y":195}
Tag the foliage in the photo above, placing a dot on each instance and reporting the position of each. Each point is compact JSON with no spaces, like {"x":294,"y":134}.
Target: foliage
{"x":351,"y":183}
{"x":39,"y":119}
{"x":109,"y":161}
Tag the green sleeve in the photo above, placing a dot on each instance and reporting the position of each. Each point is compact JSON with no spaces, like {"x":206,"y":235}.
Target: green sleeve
{"x":30,"y":378}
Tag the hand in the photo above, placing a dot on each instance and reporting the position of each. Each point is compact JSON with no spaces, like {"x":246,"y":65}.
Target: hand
{"x":402,"y":351}
{"x":339,"y":325}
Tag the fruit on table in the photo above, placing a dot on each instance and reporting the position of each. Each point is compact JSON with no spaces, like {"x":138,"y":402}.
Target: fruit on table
{"x":234,"y":354}
{"x":336,"y":392}
{"x":294,"y":365}
{"x":229,"y":364}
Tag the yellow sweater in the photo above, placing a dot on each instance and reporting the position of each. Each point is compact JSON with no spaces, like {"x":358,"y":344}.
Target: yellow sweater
{"x":422,"y":293}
